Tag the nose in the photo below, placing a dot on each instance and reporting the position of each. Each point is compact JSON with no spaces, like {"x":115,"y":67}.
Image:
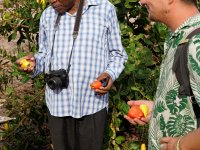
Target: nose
{"x":52,"y":1}
{"x":141,"y":2}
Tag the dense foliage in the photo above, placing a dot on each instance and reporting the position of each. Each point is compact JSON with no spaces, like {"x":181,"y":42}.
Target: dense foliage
{"x":142,"y":40}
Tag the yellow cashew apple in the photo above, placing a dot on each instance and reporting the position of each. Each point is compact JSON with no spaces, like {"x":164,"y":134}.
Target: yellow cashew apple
{"x":144,"y":109}
{"x":6,"y":126}
{"x":24,"y":63}
{"x":143,"y":147}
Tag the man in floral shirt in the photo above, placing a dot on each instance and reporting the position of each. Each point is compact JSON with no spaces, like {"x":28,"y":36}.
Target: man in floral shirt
{"x":173,"y":124}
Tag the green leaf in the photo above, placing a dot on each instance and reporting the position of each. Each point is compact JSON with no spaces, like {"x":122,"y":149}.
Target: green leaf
{"x":179,"y":125}
{"x":12,"y":36}
{"x":134,"y":145}
{"x":194,"y":64}
{"x":120,"y":139}
{"x":7,"y":3}
{"x":7,"y":15}
{"x":25,"y":78}
{"x":115,"y":2}
{"x":9,"y":90}
{"x":123,"y":108}
{"x":174,"y":103}
{"x":5,"y":147}
{"x":128,"y":3}
{"x":162,"y":123}
{"x":159,"y":107}
{"x":117,"y":122}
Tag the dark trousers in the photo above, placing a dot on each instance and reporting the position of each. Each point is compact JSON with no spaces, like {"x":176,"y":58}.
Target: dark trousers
{"x":85,"y":133}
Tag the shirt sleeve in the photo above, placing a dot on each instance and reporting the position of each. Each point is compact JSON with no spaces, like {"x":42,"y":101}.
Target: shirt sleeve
{"x":42,"y":52}
{"x":194,"y":66}
{"x":117,"y":54}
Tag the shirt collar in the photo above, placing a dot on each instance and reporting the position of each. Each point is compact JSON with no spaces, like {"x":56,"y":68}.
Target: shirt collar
{"x":88,"y":3}
{"x":191,"y":21}
{"x":93,"y":2}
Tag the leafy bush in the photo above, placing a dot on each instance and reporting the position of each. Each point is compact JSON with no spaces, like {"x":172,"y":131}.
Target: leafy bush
{"x":143,"y":41}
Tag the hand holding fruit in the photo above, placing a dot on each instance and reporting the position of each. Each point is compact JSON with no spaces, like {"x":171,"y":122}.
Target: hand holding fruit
{"x":26,"y":63}
{"x":96,"y":84}
{"x":140,"y":111}
{"x":102,"y":84}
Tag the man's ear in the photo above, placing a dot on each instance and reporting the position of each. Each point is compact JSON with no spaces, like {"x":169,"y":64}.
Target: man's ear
{"x":169,"y":5}
{"x":170,"y":2}
{"x":52,"y":1}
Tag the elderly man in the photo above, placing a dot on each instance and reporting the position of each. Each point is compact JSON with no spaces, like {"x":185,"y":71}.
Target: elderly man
{"x":79,"y":42}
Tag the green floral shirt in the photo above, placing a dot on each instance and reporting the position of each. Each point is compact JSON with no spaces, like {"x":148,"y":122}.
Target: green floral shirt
{"x":173,"y":116}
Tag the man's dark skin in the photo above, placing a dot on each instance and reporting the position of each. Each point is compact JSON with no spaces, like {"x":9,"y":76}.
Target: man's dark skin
{"x":61,"y":6}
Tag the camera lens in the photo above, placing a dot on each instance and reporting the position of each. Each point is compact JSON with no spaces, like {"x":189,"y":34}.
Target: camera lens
{"x":55,"y":83}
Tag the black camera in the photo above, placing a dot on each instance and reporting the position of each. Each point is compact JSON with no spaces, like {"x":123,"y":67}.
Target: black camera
{"x":57,"y":79}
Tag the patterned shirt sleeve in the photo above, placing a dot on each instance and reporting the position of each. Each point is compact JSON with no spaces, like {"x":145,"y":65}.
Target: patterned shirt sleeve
{"x":40,"y":56}
{"x":117,"y":54}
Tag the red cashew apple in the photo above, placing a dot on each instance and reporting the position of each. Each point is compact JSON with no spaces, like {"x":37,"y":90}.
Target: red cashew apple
{"x":135,"y":112}
{"x":96,"y":85}
{"x":138,"y":111}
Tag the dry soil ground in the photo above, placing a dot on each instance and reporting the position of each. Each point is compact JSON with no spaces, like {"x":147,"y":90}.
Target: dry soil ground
{"x":8,"y":46}
{"x":17,"y":85}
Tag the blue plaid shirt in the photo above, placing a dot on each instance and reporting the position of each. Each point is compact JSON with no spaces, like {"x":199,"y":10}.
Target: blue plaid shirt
{"x":97,"y":49}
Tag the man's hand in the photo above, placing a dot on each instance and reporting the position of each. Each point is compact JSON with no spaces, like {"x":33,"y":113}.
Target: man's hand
{"x":189,"y":141}
{"x":26,"y":63}
{"x":104,"y":89}
{"x":169,"y":143}
{"x":141,"y":121}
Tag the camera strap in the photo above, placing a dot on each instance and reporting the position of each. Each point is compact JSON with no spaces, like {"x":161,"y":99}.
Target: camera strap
{"x":74,"y":34}
{"x":76,"y":29}
{"x":54,"y":35}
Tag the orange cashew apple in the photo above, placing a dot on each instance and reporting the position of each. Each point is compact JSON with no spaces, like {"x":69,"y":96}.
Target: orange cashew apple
{"x":138,"y":111}
{"x":96,"y":85}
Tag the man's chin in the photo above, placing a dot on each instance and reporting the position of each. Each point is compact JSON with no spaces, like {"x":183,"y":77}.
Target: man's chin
{"x":152,"y":18}
{"x":60,"y":11}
